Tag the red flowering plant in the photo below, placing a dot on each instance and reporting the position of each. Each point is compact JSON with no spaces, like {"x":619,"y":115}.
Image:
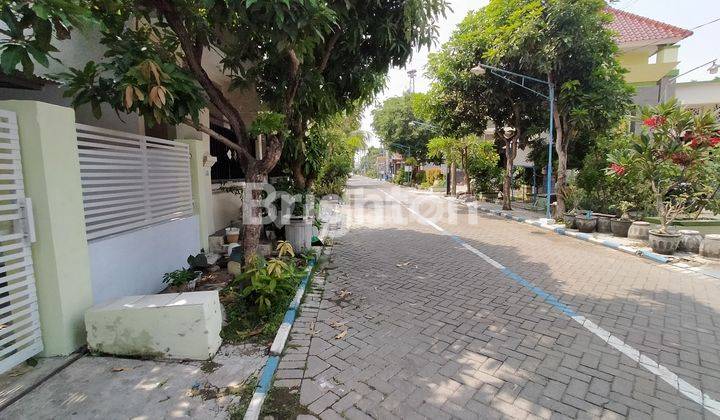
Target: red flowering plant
{"x":672,"y":157}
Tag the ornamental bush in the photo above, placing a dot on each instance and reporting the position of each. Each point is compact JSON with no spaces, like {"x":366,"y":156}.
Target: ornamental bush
{"x":676,"y":157}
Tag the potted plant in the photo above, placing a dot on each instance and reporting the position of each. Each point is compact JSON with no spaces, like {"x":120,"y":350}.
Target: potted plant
{"x":620,"y":226}
{"x":671,"y":157}
{"x":586,"y":222}
{"x":573,"y":196}
{"x":488,"y":180}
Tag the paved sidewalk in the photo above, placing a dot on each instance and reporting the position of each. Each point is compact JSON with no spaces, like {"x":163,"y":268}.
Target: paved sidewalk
{"x":433,"y":331}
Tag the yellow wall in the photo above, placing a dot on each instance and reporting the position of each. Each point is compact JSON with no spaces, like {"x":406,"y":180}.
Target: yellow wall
{"x":641,"y":72}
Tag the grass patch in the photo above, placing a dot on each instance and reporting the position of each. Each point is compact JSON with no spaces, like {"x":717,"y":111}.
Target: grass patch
{"x":283,"y":404}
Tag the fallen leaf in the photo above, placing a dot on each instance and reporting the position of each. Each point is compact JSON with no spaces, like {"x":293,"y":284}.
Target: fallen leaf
{"x":344,"y":294}
{"x":341,"y":335}
{"x":117,"y":369}
{"x":405,"y":264}
{"x":336,"y":324}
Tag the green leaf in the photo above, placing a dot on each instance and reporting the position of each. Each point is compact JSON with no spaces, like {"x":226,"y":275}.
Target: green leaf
{"x":11,"y":57}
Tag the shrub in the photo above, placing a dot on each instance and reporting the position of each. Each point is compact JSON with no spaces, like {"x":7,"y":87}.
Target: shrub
{"x":256,"y":300}
{"x":420,"y":177}
{"x":433,"y":174}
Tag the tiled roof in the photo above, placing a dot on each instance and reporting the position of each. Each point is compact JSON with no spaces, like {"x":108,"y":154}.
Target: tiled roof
{"x":632,"y":28}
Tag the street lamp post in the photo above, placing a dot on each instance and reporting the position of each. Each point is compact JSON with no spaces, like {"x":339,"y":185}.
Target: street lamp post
{"x":503,"y":74}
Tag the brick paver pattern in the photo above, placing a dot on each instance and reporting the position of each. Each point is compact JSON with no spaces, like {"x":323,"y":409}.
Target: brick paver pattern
{"x":408,"y":324}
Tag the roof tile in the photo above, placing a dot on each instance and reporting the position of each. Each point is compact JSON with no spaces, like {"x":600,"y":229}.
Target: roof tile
{"x":634,"y":28}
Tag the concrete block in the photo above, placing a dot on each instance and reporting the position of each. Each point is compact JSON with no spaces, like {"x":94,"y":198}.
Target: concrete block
{"x":176,"y":326}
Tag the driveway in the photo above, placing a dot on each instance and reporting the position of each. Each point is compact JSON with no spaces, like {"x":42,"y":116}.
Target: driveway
{"x":431,"y":310}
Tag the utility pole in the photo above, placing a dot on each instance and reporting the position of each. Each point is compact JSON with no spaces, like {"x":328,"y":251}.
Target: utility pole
{"x":412,"y":74}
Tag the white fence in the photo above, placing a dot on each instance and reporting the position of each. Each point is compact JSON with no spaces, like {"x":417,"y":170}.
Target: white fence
{"x":19,"y":320}
{"x":131,"y":181}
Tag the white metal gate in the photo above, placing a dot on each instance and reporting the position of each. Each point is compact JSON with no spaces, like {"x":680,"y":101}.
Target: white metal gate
{"x":19,"y":321}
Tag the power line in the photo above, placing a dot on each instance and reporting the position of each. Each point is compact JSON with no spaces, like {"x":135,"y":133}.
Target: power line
{"x":705,"y":24}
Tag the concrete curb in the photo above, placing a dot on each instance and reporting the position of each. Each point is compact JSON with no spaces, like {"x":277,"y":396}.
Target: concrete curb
{"x":278,"y":345}
{"x":577,"y":235}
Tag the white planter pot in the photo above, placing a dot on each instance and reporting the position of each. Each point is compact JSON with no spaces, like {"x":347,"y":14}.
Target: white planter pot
{"x":639,"y":230}
{"x":710,"y":246}
{"x":690,"y":240}
{"x":299,"y":233}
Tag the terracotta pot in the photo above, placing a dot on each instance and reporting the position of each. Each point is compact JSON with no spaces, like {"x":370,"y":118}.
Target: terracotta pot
{"x":569,"y":219}
{"x":664,"y":243}
{"x":586,"y":224}
{"x":620,"y":227}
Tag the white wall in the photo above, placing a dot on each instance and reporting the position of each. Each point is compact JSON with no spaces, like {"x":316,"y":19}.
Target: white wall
{"x":133,"y":263}
{"x":226,"y":207}
{"x":698,"y":93}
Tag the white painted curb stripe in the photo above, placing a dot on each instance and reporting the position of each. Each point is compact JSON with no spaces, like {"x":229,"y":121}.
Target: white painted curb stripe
{"x":682,"y":386}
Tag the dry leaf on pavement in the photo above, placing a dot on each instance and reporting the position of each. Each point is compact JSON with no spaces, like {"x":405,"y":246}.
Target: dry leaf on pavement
{"x":341,"y":335}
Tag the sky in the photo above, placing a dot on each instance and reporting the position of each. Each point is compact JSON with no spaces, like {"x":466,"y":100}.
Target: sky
{"x":701,"y":47}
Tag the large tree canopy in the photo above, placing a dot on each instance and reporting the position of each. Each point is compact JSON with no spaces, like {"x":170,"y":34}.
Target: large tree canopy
{"x":568,"y":40}
{"x":462,"y":101}
{"x":401,"y":129}
{"x":305,"y":59}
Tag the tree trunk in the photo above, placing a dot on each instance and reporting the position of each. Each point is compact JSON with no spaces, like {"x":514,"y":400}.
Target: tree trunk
{"x":467,"y":182}
{"x":466,"y":173}
{"x":251,"y":228}
{"x":561,"y":149}
{"x":510,"y":151}
{"x":299,"y":178}
{"x":560,"y":179}
{"x":453,"y":179}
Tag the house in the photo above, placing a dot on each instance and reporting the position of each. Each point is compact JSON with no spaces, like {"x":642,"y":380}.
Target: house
{"x":95,"y":209}
{"x":649,"y":51}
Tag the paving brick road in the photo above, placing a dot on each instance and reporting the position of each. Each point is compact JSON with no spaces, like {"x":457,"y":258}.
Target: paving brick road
{"x":427,"y":329}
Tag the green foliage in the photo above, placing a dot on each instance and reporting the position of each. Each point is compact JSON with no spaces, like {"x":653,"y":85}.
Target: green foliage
{"x":269,"y":283}
{"x":368,"y":162}
{"x":28,"y":28}
{"x":267,"y":122}
{"x":341,"y":140}
{"x":400,"y":177}
{"x":603,"y":193}
{"x":179,"y":278}
{"x":671,"y":158}
{"x":400,"y":129}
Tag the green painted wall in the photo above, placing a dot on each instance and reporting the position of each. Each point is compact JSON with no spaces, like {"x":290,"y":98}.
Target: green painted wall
{"x":52,"y":179}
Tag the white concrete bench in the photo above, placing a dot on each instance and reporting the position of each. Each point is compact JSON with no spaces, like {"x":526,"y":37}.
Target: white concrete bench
{"x":176,"y":326}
